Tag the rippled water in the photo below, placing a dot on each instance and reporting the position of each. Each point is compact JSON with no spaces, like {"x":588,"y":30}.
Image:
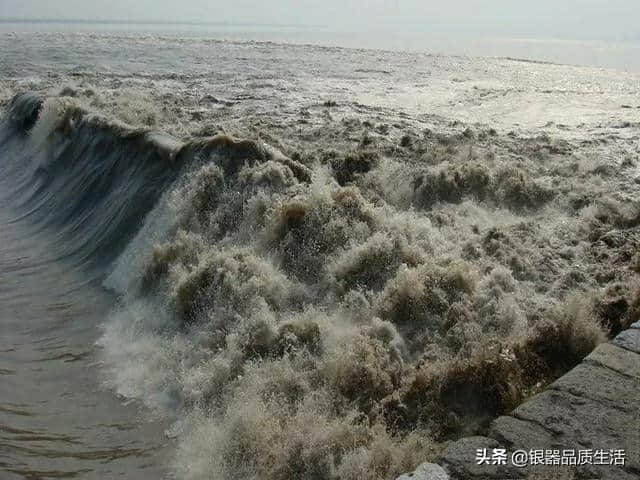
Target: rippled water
{"x":611,"y":54}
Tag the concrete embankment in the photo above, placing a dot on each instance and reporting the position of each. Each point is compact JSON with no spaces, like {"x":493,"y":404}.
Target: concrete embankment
{"x":593,"y":412}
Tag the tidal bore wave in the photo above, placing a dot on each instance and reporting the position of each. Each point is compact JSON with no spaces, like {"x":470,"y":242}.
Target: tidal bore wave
{"x":91,"y":179}
{"x":307,"y":319}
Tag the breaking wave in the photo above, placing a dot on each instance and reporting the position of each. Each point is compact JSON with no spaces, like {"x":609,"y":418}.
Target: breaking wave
{"x":332,"y":318}
{"x":88,"y":178}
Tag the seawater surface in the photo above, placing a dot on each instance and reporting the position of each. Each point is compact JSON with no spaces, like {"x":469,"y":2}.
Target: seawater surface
{"x":563,"y":50}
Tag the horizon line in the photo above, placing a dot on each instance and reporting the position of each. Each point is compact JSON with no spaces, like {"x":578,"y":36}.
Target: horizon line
{"x":112,"y":21}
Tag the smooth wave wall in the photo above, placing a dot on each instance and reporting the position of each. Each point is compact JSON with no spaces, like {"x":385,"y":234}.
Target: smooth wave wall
{"x":90,"y":179}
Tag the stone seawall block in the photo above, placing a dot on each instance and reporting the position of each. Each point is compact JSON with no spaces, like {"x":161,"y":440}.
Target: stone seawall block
{"x":595,"y":406}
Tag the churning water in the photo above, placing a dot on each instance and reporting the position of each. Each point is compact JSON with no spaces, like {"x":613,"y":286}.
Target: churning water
{"x":408,"y":246}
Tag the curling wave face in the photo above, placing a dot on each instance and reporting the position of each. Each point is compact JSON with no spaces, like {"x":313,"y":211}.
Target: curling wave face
{"x":328,"y":318}
{"x":91,"y":179}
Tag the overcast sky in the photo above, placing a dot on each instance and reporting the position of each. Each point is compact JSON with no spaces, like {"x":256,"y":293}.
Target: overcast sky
{"x":579,"y":19}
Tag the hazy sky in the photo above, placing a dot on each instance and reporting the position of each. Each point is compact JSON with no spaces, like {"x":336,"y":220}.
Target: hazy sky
{"x":580,"y":19}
